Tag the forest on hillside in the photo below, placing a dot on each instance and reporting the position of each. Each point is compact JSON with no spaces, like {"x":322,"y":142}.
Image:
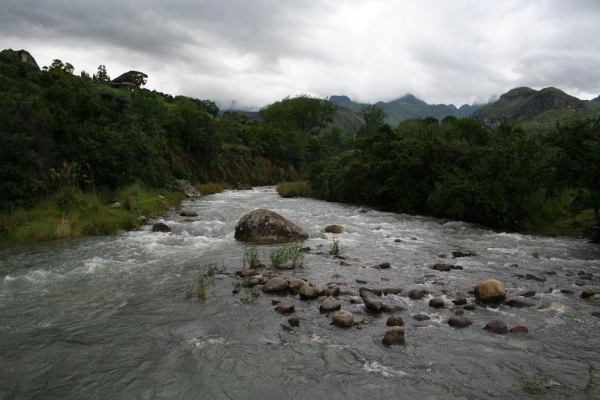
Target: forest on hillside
{"x":57,"y":126}
{"x":53,"y":122}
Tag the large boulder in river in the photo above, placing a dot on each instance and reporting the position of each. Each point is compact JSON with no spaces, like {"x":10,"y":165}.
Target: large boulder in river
{"x":490,"y":291}
{"x":264,"y":226}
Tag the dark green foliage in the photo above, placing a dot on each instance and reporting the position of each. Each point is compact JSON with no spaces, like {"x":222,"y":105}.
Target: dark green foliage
{"x":302,"y":113}
{"x":503,"y":178}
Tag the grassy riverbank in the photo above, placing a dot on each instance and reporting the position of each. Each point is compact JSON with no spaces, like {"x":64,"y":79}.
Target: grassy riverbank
{"x":75,"y":213}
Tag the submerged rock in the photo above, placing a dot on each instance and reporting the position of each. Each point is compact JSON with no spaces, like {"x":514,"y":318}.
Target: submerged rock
{"x":294,"y":321}
{"x":395,"y":321}
{"x":436,"y":302}
{"x":343,"y":319}
{"x":519,"y":329}
{"x":587,"y":293}
{"x":421,"y":317}
{"x":445,"y":267}
{"x":459,"y":321}
{"x":461,"y":301}
{"x":417,"y":294}
{"x":519,"y":303}
{"x":188,"y":213}
{"x":490,"y":291}
{"x":285,"y":308}
{"x":496,"y":326}
{"x":264,"y":226}
{"x":394,"y":336}
{"x":460,"y":253}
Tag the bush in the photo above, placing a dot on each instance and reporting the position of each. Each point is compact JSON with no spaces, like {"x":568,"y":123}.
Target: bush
{"x":294,"y":189}
{"x":211,"y":188}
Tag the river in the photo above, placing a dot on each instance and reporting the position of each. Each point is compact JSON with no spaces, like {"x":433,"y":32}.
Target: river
{"x":108,"y":318}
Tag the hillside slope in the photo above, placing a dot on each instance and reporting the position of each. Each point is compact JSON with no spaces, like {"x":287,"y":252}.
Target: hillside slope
{"x":536,"y":109}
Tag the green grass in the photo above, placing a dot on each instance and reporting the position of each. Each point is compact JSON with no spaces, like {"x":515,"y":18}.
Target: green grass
{"x":61,"y":216}
{"x":294,"y":189}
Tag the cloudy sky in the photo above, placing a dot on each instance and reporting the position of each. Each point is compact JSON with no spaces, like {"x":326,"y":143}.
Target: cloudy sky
{"x":249,"y":53}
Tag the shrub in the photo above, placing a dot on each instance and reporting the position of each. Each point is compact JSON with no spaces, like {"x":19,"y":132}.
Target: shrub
{"x":294,"y":189}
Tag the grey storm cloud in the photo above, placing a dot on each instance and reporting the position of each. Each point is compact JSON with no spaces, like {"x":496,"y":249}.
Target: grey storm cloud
{"x":256,"y":52}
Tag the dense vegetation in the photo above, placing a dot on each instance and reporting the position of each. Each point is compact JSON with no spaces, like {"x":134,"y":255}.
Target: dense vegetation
{"x":503,"y":177}
{"x":57,"y":127}
{"x":70,"y":143}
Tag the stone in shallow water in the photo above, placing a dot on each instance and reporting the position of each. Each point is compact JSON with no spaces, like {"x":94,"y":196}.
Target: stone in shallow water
{"x":436,"y":302}
{"x":519,"y":329}
{"x":343,"y":319}
{"x":496,"y":326}
{"x":330,"y":304}
{"x":459,"y":321}
{"x":421,"y":317}
{"x":417,"y":294}
{"x":395,"y":321}
{"x":276,"y":284}
{"x":490,"y":291}
{"x":394,"y":336}
{"x":587,"y":293}
{"x":161,"y":227}
{"x":285,"y":308}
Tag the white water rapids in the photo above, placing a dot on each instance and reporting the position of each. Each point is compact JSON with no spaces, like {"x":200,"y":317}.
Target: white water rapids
{"x":107,"y":317}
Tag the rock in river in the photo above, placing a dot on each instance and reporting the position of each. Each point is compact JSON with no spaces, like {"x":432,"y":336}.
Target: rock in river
{"x":496,"y":326}
{"x":264,"y":226}
{"x":459,"y":322}
{"x":285,"y":308}
{"x":343,"y":319}
{"x":490,"y":291}
{"x":372,"y":302}
{"x":276,"y":284}
{"x":161,"y":227}
{"x":334,"y":229}
{"x":394,"y":336}
{"x":330,"y":304}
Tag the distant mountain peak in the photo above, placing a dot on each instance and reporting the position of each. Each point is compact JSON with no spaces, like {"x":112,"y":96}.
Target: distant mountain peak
{"x":543,"y":107}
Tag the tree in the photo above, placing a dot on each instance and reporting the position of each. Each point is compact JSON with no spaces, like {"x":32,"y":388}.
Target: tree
{"x":138,"y":77}
{"x":374,"y":117}
{"x":101,"y":75}
{"x":303,"y":113}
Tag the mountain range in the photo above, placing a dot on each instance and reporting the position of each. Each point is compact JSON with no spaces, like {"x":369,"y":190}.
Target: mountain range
{"x":409,"y":107}
{"x":533,"y":109}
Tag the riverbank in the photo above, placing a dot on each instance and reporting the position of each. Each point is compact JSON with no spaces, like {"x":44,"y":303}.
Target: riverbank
{"x":576,"y":225}
{"x":81,"y":214}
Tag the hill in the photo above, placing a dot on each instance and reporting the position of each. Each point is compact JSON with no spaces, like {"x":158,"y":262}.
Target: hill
{"x":538,"y":110}
{"x":409,"y":107}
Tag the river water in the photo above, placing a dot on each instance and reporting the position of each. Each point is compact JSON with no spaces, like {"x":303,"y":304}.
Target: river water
{"x":107,"y":317}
